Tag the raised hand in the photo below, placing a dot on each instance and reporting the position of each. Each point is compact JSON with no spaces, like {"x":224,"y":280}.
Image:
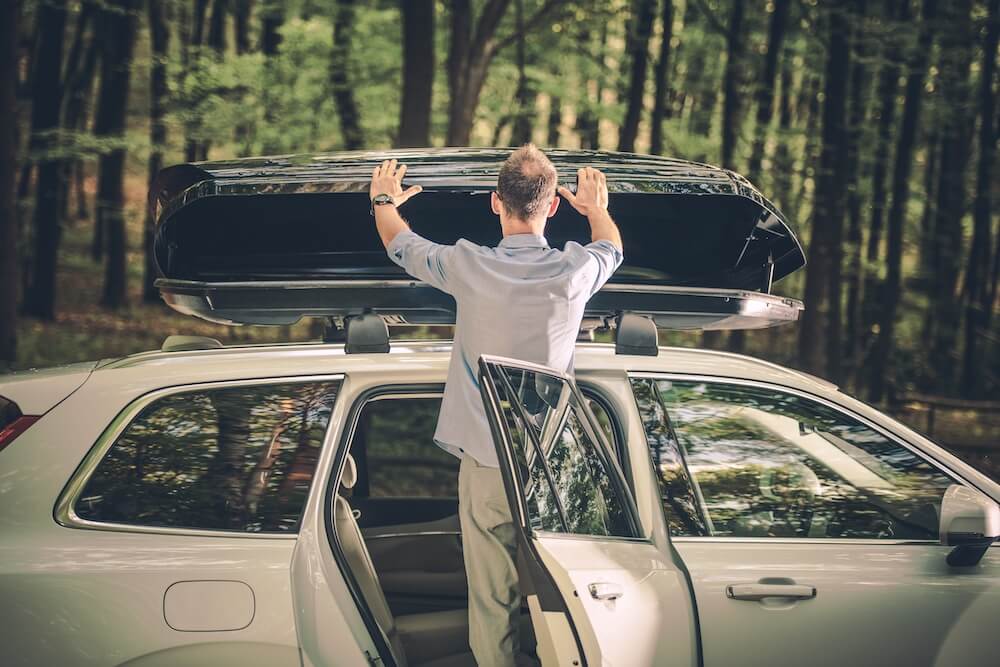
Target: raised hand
{"x":591,"y":192}
{"x":388,"y":179}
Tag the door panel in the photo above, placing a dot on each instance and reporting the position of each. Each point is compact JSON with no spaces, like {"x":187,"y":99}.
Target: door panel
{"x":589,"y":564}
{"x":875,"y":604}
{"x":774,"y":494}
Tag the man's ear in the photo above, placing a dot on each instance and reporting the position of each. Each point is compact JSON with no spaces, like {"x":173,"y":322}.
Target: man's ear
{"x":553,"y":207}
{"x":495,"y":202}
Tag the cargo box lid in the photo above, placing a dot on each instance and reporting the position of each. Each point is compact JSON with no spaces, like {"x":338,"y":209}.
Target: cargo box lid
{"x":269,"y":240}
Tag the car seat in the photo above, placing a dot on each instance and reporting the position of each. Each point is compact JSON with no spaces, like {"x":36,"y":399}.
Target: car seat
{"x":432,"y":639}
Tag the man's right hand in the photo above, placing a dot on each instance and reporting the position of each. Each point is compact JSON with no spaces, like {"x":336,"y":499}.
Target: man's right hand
{"x":591,"y":192}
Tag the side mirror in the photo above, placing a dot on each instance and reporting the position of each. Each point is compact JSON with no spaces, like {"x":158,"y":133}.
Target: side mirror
{"x":970,"y":522}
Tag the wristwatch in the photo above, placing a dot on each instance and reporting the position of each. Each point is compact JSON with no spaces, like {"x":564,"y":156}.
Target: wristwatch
{"x":381,"y":200}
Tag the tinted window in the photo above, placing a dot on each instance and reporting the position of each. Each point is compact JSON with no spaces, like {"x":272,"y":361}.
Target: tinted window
{"x":773,"y":464}
{"x":565,"y":480}
{"x":677,"y":491}
{"x":237,"y":458}
{"x":397,"y":436}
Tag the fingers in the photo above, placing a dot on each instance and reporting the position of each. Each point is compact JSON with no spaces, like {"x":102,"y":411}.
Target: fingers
{"x":567,"y":195}
{"x":409,"y":192}
{"x":400,"y":172}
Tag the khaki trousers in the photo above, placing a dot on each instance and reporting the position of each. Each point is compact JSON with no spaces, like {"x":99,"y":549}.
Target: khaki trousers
{"x":489,"y":549}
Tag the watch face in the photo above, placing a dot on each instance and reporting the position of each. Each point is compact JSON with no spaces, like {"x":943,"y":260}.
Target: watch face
{"x":382,"y":199}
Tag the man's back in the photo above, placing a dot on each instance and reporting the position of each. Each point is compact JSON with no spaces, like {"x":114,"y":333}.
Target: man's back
{"x":521,"y":299}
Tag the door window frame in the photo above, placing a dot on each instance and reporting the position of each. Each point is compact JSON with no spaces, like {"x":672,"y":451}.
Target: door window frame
{"x":64,"y":511}
{"x":933,"y":461}
{"x":332,"y":485}
{"x":607,"y":454}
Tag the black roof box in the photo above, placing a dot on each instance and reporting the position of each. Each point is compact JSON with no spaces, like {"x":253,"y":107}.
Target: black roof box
{"x":269,"y":240}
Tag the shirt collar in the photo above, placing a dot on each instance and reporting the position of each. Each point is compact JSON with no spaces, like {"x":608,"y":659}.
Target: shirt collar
{"x":524,"y":241}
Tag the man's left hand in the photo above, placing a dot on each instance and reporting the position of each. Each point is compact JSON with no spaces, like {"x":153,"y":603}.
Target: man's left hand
{"x":388,"y":179}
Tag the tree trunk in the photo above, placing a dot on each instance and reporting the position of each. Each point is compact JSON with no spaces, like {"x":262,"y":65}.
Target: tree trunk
{"x":784,"y":164}
{"x":217,"y":27}
{"x":75,"y":61}
{"x":587,"y":121}
{"x":79,"y":91}
{"x":242,"y":9}
{"x":732,"y":82}
{"x":418,"y":73}
{"x":638,"y":54}
{"x":886,"y":92}
{"x":192,"y":147}
{"x":810,"y":111}
{"x":660,"y":79}
{"x":555,"y":122}
{"x":526,"y":94}
{"x":118,"y":43}
{"x":469,"y":58}
{"x":902,"y":167}
{"x":340,"y":77}
{"x":819,"y":331}
{"x":978,"y":302}
{"x":765,"y":90}
{"x":927,"y":256}
{"x":945,"y":312}
{"x":856,"y":125}
{"x":159,"y":30}
{"x":9,"y":262}
{"x":40,"y":301}
{"x":271,"y":17}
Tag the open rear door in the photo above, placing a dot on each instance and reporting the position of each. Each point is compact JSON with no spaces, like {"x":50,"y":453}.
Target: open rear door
{"x":600,"y":591}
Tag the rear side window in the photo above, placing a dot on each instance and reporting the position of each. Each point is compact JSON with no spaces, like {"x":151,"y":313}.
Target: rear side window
{"x":395,"y":444}
{"x":235,"y":458}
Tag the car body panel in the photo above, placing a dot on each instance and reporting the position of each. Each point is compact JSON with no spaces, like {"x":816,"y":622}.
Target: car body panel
{"x":38,"y":390}
{"x":877,"y":602}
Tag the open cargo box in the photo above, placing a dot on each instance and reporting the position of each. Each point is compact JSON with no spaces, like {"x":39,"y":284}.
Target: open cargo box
{"x":270,"y":240}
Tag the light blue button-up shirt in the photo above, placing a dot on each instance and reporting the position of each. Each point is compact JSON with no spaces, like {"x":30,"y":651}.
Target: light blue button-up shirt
{"x":521,"y":299}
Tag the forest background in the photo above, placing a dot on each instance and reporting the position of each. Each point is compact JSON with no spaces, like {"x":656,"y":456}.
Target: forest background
{"x":873,"y":125}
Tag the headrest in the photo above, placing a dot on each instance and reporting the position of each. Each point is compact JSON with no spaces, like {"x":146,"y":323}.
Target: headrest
{"x":350,"y":476}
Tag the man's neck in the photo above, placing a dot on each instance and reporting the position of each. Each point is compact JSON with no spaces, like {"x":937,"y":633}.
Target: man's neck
{"x":513,"y":228}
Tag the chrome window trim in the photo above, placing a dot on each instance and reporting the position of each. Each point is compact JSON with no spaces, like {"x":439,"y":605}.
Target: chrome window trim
{"x":839,"y":541}
{"x":424,"y":533}
{"x":65,"y":512}
{"x":548,"y":534}
{"x":927,"y":457}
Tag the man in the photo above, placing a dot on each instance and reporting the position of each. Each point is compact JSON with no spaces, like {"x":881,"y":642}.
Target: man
{"x":520,"y":299}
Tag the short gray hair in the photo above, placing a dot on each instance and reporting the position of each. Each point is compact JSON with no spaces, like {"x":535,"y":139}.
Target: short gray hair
{"x":527,"y":182}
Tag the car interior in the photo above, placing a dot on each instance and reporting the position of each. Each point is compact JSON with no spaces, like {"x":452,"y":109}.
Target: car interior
{"x":396,"y":518}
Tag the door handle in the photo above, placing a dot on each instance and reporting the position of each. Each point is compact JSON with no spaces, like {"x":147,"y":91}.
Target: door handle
{"x":758,"y":591}
{"x":602,"y":590}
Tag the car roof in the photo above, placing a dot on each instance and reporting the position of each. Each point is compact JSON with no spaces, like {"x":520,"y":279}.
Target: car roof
{"x":250,"y":361}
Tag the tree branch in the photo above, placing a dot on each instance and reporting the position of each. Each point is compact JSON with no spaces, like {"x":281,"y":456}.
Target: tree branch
{"x":542,"y":14}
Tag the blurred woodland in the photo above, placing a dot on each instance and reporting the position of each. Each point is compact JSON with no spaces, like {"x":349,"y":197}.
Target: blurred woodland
{"x":873,"y":125}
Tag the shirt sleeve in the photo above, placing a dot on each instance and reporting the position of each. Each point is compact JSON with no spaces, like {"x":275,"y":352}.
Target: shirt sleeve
{"x":603,"y":258}
{"x":425,"y":260}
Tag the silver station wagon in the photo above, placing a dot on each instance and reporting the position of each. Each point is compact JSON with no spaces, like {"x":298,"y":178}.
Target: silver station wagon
{"x":286,"y":505}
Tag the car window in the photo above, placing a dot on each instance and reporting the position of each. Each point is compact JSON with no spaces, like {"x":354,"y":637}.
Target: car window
{"x":396,"y":454}
{"x":565,"y":481}
{"x":768,"y":463}
{"x":234,"y":458}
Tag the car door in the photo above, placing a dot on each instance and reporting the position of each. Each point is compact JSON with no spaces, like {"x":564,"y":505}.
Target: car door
{"x":810,"y":534}
{"x":600,"y":591}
